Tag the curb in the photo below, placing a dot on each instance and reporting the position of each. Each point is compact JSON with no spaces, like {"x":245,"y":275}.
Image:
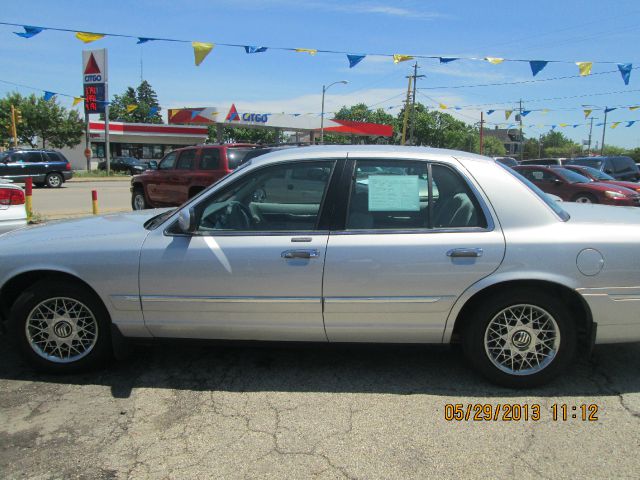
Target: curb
{"x":99,"y":179}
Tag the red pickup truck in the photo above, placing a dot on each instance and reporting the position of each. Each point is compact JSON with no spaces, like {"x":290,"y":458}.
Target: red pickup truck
{"x":185,"y":172}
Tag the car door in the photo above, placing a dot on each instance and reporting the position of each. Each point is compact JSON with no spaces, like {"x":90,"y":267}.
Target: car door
{"x":416,"y":236}
{"x":17,"y":166}
{"x":157,"y":180}
{"x":251,"y":270}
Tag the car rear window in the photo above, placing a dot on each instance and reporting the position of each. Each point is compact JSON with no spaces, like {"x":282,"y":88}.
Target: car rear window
{"x":54,"y":157}
{"x":586,"y":162}
{"x":235,"y":156}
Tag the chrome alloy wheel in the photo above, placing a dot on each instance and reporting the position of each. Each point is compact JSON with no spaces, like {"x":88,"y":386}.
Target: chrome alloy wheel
{"x":61,"y":330}
{"x":138,"y":201}
{"x":522,"y":339}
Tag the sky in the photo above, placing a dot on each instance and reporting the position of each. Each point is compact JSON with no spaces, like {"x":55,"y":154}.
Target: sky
{"x":291,"y":82}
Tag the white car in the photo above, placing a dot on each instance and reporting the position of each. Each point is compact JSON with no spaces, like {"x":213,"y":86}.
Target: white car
{"x":12,"y":212}
{"x":379,"y":244}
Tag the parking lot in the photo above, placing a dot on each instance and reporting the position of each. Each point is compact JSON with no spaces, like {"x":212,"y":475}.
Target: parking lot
{"x":207,"y":411}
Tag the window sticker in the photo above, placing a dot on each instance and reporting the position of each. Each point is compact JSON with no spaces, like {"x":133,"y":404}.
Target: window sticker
{"x":394,"y":193}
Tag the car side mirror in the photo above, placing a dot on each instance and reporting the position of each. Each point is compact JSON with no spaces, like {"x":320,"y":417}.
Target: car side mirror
{"x":187,"y":220}
{"x":153,"y":165}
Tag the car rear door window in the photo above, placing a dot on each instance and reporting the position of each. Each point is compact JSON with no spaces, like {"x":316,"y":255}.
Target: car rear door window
{"x":53,"y":157}
{"x":210,"y":159}
{"x":406,"y":195}
{"x":186,"y":159}
{"x":285,"y":197}
{"x":33,"y":157}
{"x":168,"y":162}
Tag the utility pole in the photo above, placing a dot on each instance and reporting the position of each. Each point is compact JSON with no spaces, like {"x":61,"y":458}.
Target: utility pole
{"x":540,"y":146}
{"x":14,"y":128}
{"x":590,"y":131}
{"x":406,"y":114}
{"x":413,"y":102}
{"x":604,"y":129}
{"x":481,"y":132}
{"x":521,"y":137}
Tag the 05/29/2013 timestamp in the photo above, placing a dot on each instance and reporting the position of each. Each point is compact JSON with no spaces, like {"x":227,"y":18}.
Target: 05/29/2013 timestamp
{"x":516,"y":412}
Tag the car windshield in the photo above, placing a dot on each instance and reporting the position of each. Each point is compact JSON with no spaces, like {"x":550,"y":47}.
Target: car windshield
{"x":564,"y":216}
{"x":586,"y":162}
{"x":235,"y":155}
{"x":571,"y":176}
{"x":597,"y":174}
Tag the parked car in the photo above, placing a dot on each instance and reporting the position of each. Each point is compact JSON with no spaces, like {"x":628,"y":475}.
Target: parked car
{"x":620,"y":167}
{"x":184,"y":173}
{"x":508,"y":161}
{"x":12,"y":212}
{"x":598,"y":176}
{"x":45,"y":167}
{"x":544,"y":161}
{"x":129,"y":165}
{"x":573,"y":187}
{"x":295,"y":246}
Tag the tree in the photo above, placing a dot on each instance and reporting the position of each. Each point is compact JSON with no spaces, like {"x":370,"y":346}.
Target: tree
{"x":144,"y":98}
{"x":613,"y":150}
{"x":360,"y":113}
{"x":243,"y":135}
{"x":43,"y":122}
{"x":555,"y":145}
{"x":492,"y":146}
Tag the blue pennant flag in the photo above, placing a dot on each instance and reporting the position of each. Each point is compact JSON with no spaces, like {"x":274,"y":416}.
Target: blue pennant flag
{"x":599,"y":124}
{"x":153,"y":110}
{"x":296,"y":114}
{"x":29,"y":31}
{"x":630,"y":123}
{"x":253,"y":49}
{"x":457,"y":108}
{"x":610,"y":109}
{"x":525,"y":113}
{"x":447,"y":59}
{"x":625,"y":71}
{"x":537,"y":66}
{"x":48,"y":95}
{"x":489,"y":112}
{"x":576,"y":125}
{"x":354,"y":59}
{"x":194,"y":113}
{"x":553,"y":127}
{"x":144,"y":40}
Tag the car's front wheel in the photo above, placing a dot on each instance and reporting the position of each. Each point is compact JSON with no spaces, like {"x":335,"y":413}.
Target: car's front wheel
{"x":138,"y":200}
{"x":585,"y":198}
{"x":61,"y":327}
{"x":521,"y":338}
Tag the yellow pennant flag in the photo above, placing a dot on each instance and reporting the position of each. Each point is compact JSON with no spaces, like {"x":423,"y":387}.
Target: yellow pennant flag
{"x":494,"y":60}
{"x":76,"y":100}
{"x":397,"y":58}
{"x":587,"y":113}
{"x":539,"y":125}
{"x":634,"y":108}
{"x":88,"y":37}
{"x":615,"y":124}
{"x":131,"y":108}
{"x":545,"y":111}
{"x":585,"y":68}
{"x":507,"y":114}
{"x":443,"y":106}
{"x":201,"y":50}
{"x":310,"y":51}
{"x":562,"y":125}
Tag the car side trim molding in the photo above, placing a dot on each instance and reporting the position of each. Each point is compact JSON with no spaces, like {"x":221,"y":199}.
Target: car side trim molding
{"x":185,"y":299}
{"x":382,"y":299}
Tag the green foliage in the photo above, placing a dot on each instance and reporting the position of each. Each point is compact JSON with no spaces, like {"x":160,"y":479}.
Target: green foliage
{"x":44,"y":123}
{"x":144,"y":97}
{"x":634,"y":153}
{"x":243,"y":135}
{"x":613,"y":150}
{"x":360,"y":113}
{"x":492,"y":147}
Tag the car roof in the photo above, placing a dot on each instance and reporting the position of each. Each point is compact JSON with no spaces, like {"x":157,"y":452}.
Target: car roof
{"x":372,"y":152}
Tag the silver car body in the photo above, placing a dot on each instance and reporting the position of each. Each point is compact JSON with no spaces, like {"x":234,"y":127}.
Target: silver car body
{"x":11,"y":216}
{"x":364,"y":286}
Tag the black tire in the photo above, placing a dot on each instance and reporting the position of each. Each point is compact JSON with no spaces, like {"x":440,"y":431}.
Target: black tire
{"x":138,"y":199}
{"x":97,"y":348}
{"x":54,"y":180}
{"x":584,"y":198}
{"x":473,"y":340}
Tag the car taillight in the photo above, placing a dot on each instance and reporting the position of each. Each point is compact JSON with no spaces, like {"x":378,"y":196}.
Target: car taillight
{"x":11,"y":196}
{"x":68,"y":166}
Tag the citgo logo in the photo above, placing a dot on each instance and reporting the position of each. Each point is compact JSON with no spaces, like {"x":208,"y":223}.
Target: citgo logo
{"x":234,"y":116}
{"x":92,"y":72}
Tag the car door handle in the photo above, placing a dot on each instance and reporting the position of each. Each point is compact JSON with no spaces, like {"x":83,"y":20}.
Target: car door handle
{"x":300,"y":253}
{"x":464,"y":252}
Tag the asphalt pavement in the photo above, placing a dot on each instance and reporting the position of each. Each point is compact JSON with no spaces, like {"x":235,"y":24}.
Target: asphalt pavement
{"x":212,"y":411}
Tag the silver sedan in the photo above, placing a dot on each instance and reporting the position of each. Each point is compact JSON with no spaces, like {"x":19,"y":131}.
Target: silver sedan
{"x":12,"y":212}
{"x":337,"y":244}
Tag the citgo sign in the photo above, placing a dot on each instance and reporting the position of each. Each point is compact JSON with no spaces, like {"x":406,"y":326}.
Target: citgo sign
{"x":234,"y":116}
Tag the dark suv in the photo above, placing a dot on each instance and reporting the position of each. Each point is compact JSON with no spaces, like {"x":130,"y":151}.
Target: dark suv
{"x":620,"y":168}
{"x":45,"y":167}
{"x":184,"y":173}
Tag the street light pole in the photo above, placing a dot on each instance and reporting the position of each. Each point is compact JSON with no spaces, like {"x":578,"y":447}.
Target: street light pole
{"x":604,"y":129}
{"x":324,"y":89}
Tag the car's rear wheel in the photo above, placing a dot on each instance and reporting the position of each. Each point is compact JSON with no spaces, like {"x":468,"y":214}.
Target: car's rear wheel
{"x":585,"y":198}
{"x":138,"y":200}
{"x":520,"y":339}
{"x":61,"y":327}
{"x":54,"y":180}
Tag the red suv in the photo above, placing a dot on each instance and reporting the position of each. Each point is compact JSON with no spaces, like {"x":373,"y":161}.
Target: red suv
{"x":573,"y":187}
{"x":185,"y":172}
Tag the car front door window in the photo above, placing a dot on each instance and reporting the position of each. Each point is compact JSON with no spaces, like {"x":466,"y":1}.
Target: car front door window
{"x":168,"y":162}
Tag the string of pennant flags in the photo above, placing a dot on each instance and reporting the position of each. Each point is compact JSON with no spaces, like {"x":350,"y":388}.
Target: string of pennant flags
{"x":202,"y":49}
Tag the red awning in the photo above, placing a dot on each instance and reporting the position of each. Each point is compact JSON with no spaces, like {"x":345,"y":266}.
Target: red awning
{"x":361,"y":128}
